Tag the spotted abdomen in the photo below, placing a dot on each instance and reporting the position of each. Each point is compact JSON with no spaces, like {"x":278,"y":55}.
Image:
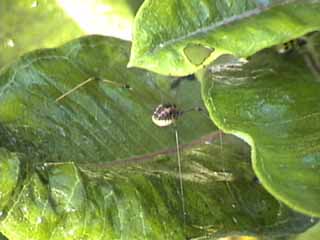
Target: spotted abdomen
{"x":165,"y":115}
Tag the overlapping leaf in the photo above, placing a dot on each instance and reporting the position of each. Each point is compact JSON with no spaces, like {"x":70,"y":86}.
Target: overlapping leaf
{"x":178,"y":37}
{"x":273,"y":103}
{"x":93,"y":165}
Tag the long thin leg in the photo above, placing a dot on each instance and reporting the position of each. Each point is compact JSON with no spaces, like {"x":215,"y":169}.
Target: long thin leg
{"x":180,"y":176}
{"x":75,"y":88}
{"x":120,"y":85}
{"x":221,"y":140}
{"x":89,"y":80}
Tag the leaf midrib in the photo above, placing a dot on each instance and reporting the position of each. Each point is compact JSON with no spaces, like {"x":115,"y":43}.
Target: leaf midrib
{"x":152,"y":156}
{"x":247,"y":14}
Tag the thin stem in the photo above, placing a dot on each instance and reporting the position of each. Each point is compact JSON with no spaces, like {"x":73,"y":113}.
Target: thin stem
{"x":197,"y":109}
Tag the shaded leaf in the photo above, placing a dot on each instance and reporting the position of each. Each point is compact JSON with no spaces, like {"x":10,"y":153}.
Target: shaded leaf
{"x":2,"y":237}
{"x":272,"y":103}
{"x":143,"y":201}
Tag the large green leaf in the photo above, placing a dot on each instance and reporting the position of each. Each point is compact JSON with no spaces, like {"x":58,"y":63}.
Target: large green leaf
{"x":94,"y":166}
{"x":143,"y":201}
{"x":273,"y":103}
{"x":178,"y":37}
{"x":99,"y":114}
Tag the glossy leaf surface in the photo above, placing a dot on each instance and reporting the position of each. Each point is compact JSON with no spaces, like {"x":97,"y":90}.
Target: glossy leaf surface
{"x":94,"y":166}
{"x":272,"y":103}
{"x":179,"y":37}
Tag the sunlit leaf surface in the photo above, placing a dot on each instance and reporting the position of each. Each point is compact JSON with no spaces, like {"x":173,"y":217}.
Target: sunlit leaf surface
{"x":178,"y":37}
{"x":31,"y":24}
{"x":94,"y":166}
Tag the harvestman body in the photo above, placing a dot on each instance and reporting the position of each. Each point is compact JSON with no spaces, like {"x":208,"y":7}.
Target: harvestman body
{"x":167,"y":114}
{"x":164,"y":116}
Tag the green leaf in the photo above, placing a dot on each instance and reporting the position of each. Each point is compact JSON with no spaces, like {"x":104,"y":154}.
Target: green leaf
{"x":31,"y":24}
{"x":272,"y":103}
{"x":27,"y":25}
{"x":310,"y":234}
{"x":9,"y":169}
{"x":176,"y":37}
{"x":2,"y":237}
{"x":97,"y":115}
{"x":94,"y":166}
{"x":143,"y":201}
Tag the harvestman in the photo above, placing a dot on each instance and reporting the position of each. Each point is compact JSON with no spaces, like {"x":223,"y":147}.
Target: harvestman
{"x":164,"y":115}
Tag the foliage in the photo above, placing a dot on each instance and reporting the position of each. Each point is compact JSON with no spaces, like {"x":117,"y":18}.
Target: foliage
{"x":28,"y":25}
{"x":93,"y":165}
{"x":199,"y":31}
{"x":272,"y":103}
